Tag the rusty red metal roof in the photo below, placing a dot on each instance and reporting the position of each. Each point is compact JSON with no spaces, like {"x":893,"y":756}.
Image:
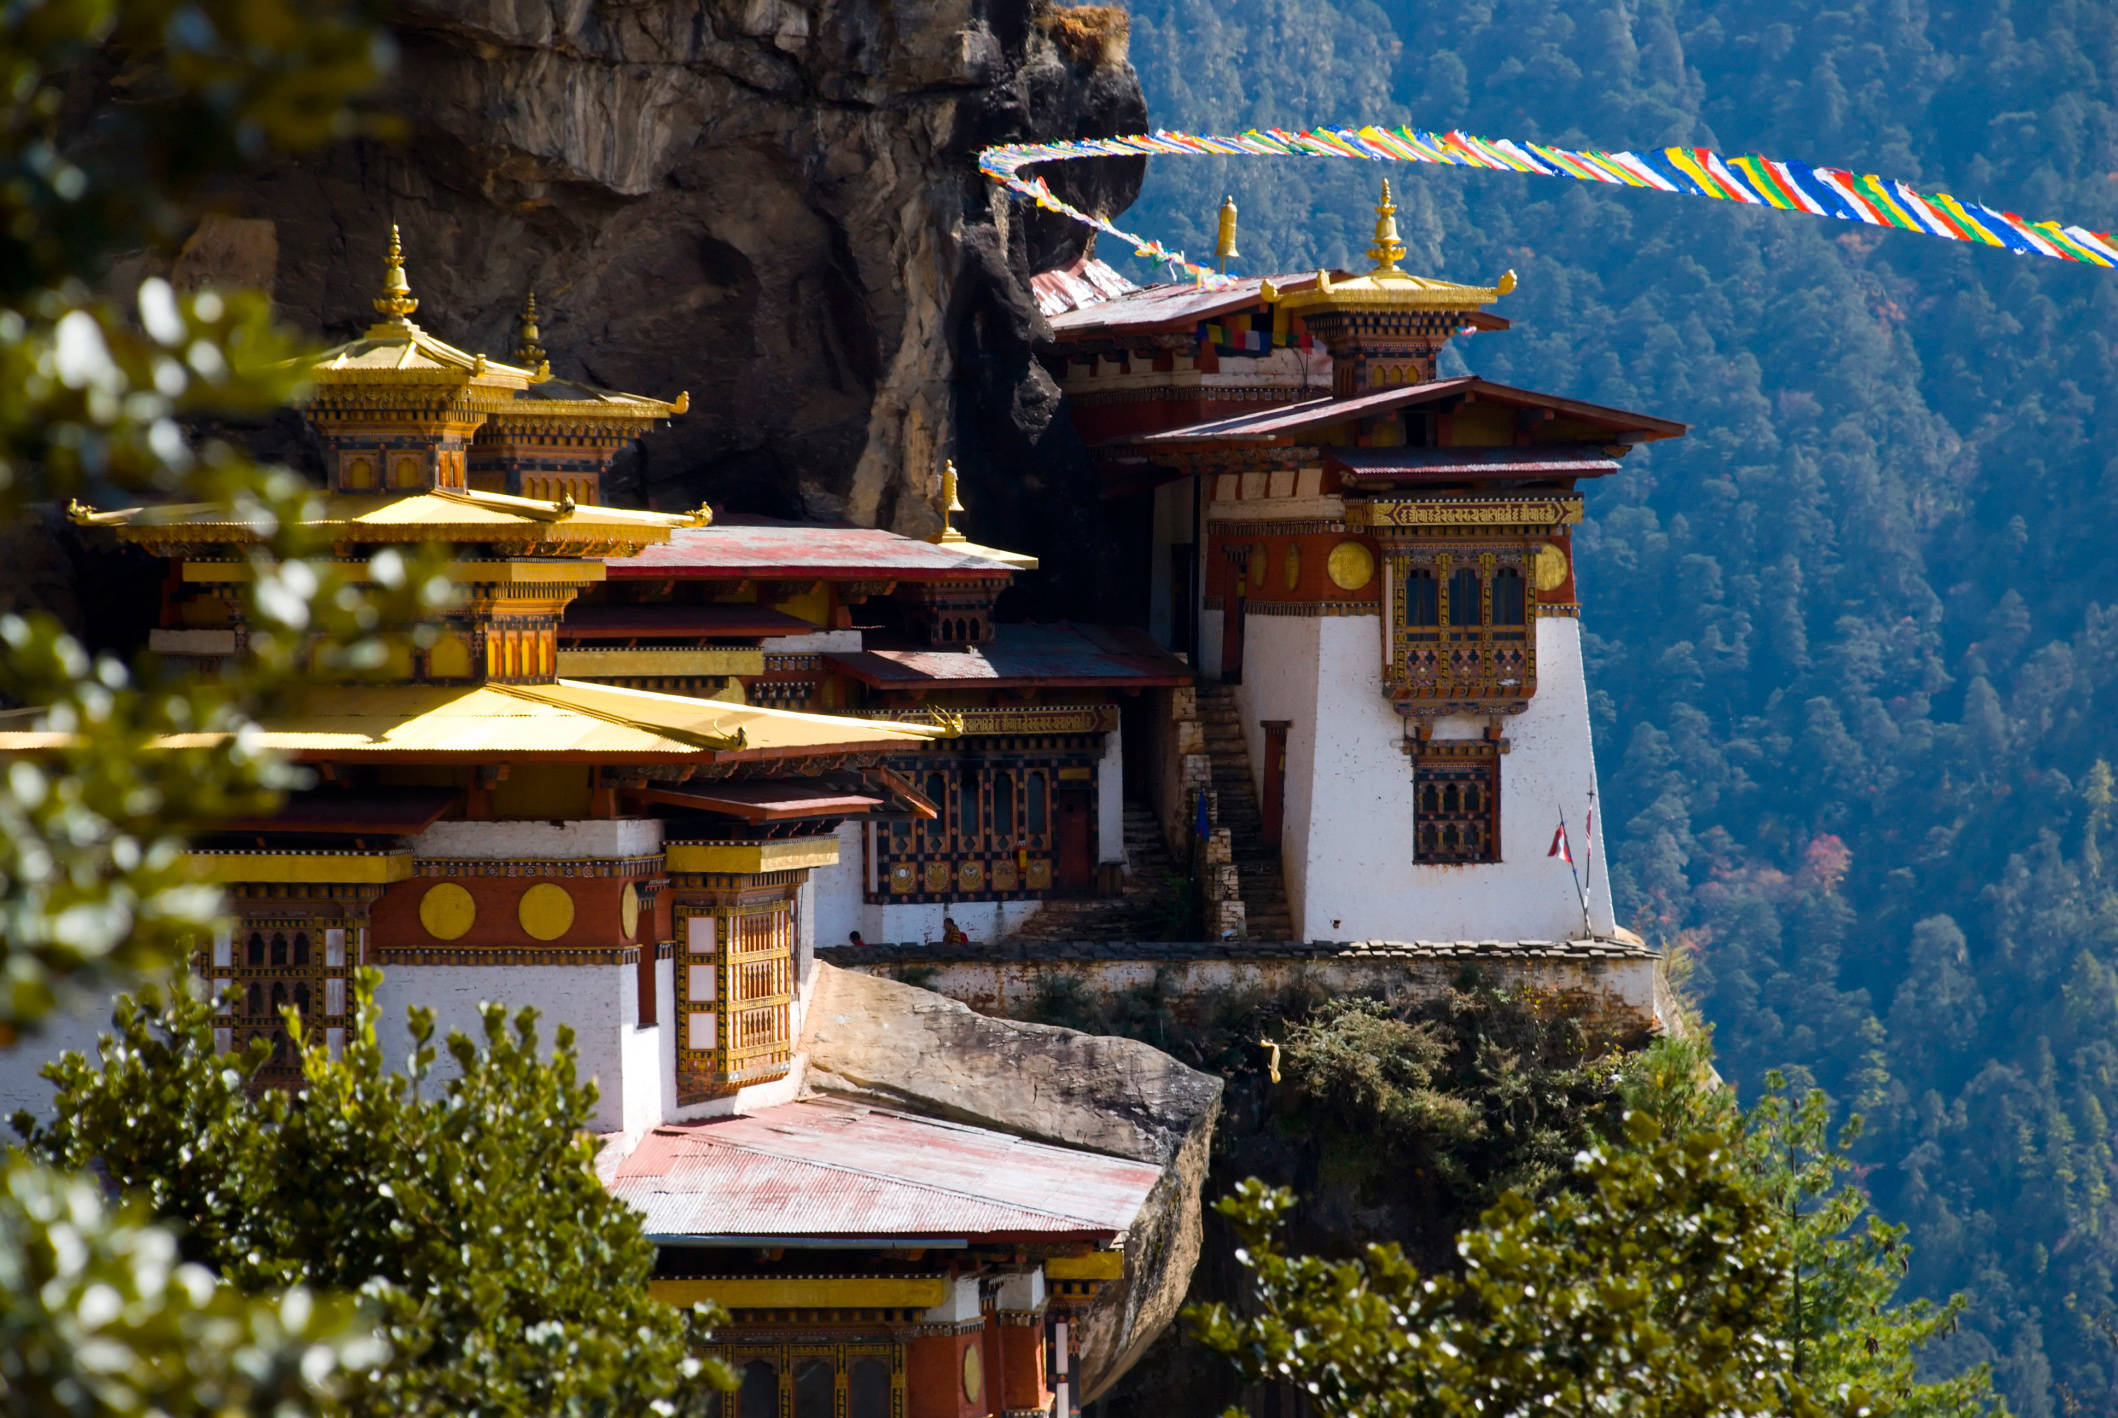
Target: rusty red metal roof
{"x":1051,"y":656}
{"x":789,"y":551}
{"x":596,"y":620}
{"x":1539,"y":460}
{"x":1288,"y":421}
{"x":831,"y":1170}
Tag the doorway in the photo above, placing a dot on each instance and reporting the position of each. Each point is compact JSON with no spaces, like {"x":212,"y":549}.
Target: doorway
{"x":1074,"y":872}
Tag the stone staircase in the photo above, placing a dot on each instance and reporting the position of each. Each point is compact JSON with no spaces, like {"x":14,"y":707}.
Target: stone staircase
{"x":1140,"y":911}
{"x":1257,"y":864}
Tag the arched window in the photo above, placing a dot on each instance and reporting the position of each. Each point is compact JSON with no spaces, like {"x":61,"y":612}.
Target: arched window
{"x":1422,"y":598}
{"x":1463,"y":596}
{"x":279,"y":996}
{"x":256,"y":999}
{"x":1510,"y":603}
{"x":257,"y":948}
{"x":868,"y":1389}
{"x":301,"y":999}
{"x":279,"y":948}
{"x":1004,"y":808}
{"x":1039,"y":824}
{"x":943,"y":632}
{"x":812,"y":1389}
{"x":301,"y":947}
{"x":759,"y":1397}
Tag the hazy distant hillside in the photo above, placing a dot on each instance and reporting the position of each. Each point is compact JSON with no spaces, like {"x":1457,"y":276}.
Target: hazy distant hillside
{"x":1850,"y":639}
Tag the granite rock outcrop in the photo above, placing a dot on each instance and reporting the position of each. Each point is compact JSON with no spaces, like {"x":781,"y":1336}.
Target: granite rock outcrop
{"x":897,"y":1046}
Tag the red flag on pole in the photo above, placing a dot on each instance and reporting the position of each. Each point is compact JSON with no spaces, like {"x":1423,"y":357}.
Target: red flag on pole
{"x":1560,"y":849}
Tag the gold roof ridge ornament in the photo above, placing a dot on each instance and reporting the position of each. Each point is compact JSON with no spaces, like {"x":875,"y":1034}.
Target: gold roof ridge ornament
{"x":528,"y":352}
{"x":1388,"y":248}
{"x":396,"y":303}
{"x":1224,"y":246}
{"x":950,"y":506}
{"x":954,"y":540}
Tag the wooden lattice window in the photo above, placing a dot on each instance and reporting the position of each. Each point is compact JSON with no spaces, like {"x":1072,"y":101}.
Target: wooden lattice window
{"x":1456,"y":790}
{"x":992,"y":839}
{"x":1460,"y":626}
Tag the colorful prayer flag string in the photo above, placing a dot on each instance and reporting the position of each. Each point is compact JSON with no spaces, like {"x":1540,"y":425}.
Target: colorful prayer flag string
{"x":1697,"y":172}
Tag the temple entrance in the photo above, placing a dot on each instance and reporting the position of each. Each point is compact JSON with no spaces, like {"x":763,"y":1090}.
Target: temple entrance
{"x":1075,"y":869}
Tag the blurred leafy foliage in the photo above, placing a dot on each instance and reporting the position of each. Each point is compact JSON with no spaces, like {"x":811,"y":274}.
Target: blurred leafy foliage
{"x":509,"y":1280}
{"x":1850,"y":642}
{"x":1688,"y":1269}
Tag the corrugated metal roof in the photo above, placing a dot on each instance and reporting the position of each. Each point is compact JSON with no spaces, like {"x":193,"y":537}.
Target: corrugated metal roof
{"x":1571,"y":460}
{"x":792,"y":552}
{"x":828,"y":1169}
{"x":1087,"y":282}
{"x":1171,"y":304}
{"x":1057,"y":656}
{"x":1287,"y":420}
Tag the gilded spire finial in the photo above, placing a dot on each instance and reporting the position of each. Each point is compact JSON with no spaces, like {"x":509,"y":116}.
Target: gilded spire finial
{"x":1225,"y":247}
{"x":396,"y":299}
{"x":1388,"y":247}
{"x":950,"y":506}
{"x":528,"y":353}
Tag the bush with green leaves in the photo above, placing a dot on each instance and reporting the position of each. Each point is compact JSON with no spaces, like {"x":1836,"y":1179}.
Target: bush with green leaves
{"x":1702,"y":1263}
{"x":470,"y":1213}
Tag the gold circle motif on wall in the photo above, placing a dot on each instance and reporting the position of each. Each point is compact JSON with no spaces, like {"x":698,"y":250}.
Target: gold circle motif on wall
{"x":1257,"y":568}
{"x":628,"y":910}
{"x":970,"y":876}
{"x":903,"y":879}
{"x":1291,"y":565}
{"x":447,"y":911}
{"x":546,"y":912}
{"x":1351,"y":565}
{"x":973,"y":1374}
{"x":1550,"y":569}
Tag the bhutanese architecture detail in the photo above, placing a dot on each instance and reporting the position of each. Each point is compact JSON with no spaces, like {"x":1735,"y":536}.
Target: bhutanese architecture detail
{"x":1377,"y":561}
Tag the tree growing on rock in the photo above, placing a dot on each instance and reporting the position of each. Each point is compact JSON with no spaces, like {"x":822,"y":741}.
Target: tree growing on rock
{"x":1699,"y":1265}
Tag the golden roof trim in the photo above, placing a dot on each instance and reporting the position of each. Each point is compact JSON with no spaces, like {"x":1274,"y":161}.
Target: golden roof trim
{"x":1388,"y":290}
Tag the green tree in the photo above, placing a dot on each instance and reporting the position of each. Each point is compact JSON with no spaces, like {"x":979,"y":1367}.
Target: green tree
{"x":1689,"y":1269}
{"x":510,"y":1280}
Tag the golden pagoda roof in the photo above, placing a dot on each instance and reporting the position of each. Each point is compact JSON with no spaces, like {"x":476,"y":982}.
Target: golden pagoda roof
{"x":395,"y":351}
{"x":565,"y":721}
{"x":440,"y":515}
{"x":1385,"y":286}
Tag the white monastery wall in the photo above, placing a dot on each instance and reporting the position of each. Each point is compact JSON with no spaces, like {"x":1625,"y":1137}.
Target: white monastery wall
{"x":499,"y":841}
{"x":1285,"y":678}
{"x":835,"y":896}
{"x":73,"y":1029}
{"x":601,"y":1002}
{"x":1110,"y":799}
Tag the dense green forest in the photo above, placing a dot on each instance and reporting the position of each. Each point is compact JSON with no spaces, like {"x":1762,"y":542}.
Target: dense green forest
{"x":1849,"y":639}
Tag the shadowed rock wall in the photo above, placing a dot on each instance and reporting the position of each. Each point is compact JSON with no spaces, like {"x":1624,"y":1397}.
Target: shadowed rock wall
{"x":774,"y":206}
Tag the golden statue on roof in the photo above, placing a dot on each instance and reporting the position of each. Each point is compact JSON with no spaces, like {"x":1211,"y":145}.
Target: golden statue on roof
{"x":528,"y":352}
{"x":1388,"y":248}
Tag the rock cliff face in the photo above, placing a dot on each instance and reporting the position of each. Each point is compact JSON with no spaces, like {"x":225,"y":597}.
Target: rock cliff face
{"x":773,"y":205}
{"x":896,"y":1046}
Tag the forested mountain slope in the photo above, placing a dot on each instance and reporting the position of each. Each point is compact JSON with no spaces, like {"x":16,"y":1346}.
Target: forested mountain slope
{"x":1852,"y":643}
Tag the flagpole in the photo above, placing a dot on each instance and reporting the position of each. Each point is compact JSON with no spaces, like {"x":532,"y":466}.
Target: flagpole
{"x":1590,"y":872}
{"x":1575,"y":872}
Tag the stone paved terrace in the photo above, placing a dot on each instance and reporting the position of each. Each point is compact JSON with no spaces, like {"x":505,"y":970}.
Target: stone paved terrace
{"x":1618,"y":986}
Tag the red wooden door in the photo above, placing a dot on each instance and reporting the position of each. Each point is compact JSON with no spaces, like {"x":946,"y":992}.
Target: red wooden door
{"x":1274,"y":805}
{"x":1075,"y":869}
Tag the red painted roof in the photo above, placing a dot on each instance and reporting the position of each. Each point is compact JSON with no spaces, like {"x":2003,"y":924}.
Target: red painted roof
{"x":1539,"y":460}
{"x":597,"y":620}
{"x":789,"y":551}
{"x":1288,"y":421}
{"x":828,"y":1169}
{"x":1174,"y":304}
{"x":1050,"y":656}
